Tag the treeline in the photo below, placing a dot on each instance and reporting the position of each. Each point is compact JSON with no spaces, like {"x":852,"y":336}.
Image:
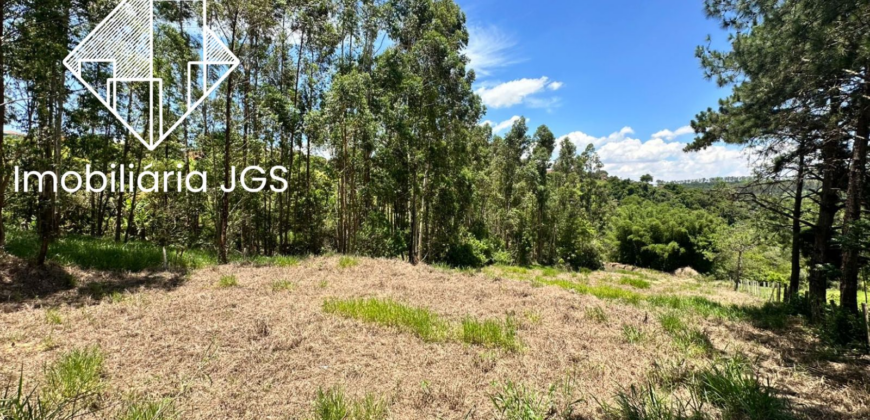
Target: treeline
{"x":799,"y":73}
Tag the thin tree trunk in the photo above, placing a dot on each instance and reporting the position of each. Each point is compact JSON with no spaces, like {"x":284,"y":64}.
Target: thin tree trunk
{"x":795,"y":280}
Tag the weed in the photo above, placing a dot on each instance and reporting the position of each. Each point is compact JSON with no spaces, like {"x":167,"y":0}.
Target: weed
{"x":731,"y":386}
{"x":15,"y":405}
{"x":685,"y":337}
{"x":632,"y":334}
{"x":332,"y":404}
{"x":279,"y":285}
{"x":323,"y":284}
{"x":52,"y":316}
{"x":634,"y":282}
{"x":647,"y":403}
{"x":420,"y":321}
{"x":116,"y":297}
{"x":517,"y":402}
{"x":163,"y":409}
{"x":75,"y":375}
{"x":491,"y":333}
{"x":228,"y":281}
{"x":347,"y":262}
{"x":549,"y":272}
{"x":596,"y":314}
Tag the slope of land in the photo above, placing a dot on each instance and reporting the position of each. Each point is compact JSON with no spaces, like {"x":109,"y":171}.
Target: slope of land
{"x":256,"y":342}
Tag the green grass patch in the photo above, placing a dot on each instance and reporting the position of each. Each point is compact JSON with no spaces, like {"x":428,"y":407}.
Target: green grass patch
{"x":228,"y":281}
{"x":549,"y":272}
{"x":163,"y":409}
{"x":52,"y":316}
{"x":419,"y":321}
{"x":632,"y":334}
{"x":274,"y":261}
{"x":634,"y":282}
{"x":600,"y":291}
{"x":687,"y":338}
{"x":491,"y":333}
{"x":648,"y":403}
{"x":104,"y":254}
{"x":282,"y":285}
{"x":75,"y":376}
{"x":347,"y":262}
{"x":731,"y":386}
{"x":514,"y":401}
{"x":333,"y":404}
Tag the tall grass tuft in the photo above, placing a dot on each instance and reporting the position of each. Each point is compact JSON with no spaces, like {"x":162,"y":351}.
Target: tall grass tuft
{"x":21,"y":405}
{"x":332,"y":404}
{"x":420,"y":321}
{"x":163,"y":409}
{"x":687,"y":338}
{"x":77,"y":375}
{"x":228,"y":281}
{"x":731,"y":386}
{"x":491,"y":333}
{"x":647,"y":403}
{"x":517,"y":402}
{"x":632,"y":334}
{"x":347,"y":262}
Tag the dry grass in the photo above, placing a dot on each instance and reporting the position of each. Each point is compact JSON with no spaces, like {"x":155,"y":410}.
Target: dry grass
{"x":249,"y":352}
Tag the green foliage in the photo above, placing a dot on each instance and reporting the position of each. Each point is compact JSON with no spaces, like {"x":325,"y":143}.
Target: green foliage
{"x":632,"y":334}
{"x":634,"y":282}
{"x":228,"y":281}
{"x":686,"y":338}
{"x":491,"y":333}
{"x":76,"y":375}
{"x":515,"y":401}
{"x":279,"y":285}
{"x":347,"y":262}
{"x":732,"y":387}
{"x":18,"y":405}
{"x":101,"y":254}
{"x":419,"y":321}
{"x":332,"y":404}
{"x":647,"y":403}
{"x":663,"y":236}
{"x":163,"y":409}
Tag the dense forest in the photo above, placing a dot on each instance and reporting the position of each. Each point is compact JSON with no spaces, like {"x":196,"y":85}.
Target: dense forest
{"x":371,"y":108}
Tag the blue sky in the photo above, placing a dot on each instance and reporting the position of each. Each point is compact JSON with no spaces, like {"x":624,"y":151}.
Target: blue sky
{"x":619,"y":74}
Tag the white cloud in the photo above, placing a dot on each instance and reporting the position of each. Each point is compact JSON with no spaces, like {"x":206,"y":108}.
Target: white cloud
{"x":488,"y":49}
{"x":555,"y":86}
{"x":502,"y":126}
{"x":628,"y":157}
{"x":670,"y":135}
{"x":515,"y":92}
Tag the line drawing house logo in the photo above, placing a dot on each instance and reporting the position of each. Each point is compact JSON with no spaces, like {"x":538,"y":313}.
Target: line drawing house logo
{"x":125,"y":41}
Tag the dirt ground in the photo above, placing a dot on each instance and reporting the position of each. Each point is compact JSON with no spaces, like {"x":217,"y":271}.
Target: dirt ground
{"x":251,"y":352}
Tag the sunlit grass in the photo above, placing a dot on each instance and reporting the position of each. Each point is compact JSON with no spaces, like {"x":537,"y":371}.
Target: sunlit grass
{"x":420,"y":321}
{"x":227,"y":282}
{"x":347,"y":262}
{"x":491,"y":333}
{"x":634,"y":282}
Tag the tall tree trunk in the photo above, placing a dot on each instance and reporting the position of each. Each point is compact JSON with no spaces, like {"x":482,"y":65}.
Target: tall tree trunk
{"x":795,"y":280}
{"x":851,"y":252}
{"x":4,"y":170}
{"x":225,"y":196}
{"x":828,"y":201}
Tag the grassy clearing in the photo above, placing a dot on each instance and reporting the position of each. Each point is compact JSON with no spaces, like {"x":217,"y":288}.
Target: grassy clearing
{"x":420,"y":321}
{"x":282,"y":285}
{"x":227,"y":282}
{"x":491,"y":333}
{"x":332,"y":404}
{"x":347,"y":262}
{"x":426,"y":324}
{"x":634,"y":282}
